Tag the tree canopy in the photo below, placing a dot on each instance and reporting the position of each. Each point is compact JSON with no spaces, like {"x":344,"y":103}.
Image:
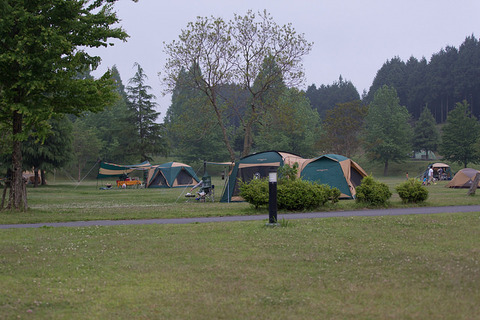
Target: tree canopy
{"x":451,"y":75}
{"x":42,"y":54}
{"x":387,"y":135}
{"x":426,"y":136}
{"x":460,"y":136}
{"x":251,"y":51}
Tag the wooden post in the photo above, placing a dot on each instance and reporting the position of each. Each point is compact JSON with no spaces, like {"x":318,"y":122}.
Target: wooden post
{"x":474,"y":186}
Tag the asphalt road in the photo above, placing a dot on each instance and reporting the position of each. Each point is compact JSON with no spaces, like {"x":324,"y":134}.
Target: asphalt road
{"x":290,"y":216}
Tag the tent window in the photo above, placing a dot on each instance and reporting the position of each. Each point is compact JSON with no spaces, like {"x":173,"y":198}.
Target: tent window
{"x":183,"y":178}
{"x":159,"y":180}
{"x":355,"y":177}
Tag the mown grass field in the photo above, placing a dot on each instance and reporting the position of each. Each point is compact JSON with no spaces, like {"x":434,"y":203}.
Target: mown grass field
{"x":408,"y":267}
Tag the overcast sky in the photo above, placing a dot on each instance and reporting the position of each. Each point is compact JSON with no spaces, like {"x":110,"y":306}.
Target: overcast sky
{"x":352,"y":38}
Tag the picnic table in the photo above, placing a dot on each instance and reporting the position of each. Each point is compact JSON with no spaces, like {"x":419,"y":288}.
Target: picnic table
{"x":128,"y":183}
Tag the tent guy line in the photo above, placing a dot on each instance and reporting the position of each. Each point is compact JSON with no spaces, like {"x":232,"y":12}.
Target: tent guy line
{"x":288,"y":216}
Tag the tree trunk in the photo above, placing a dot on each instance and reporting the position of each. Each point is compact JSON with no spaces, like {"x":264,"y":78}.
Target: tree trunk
{"x":474,"y":185}
{"x":36,"y":177}
{"x":18,"y":190}
{"x":385,"y":168}
{"x":42,"y":175}
{"x":248,"y":139}
{"x":213,"y":100}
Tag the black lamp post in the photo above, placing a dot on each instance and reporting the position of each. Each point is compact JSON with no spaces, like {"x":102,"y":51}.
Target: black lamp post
{"x":272,"y":195}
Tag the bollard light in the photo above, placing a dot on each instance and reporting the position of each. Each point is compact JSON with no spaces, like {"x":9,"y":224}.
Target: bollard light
{"x":272,"y":196}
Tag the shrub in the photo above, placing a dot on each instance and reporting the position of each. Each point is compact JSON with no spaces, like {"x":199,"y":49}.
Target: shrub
{"x":292,"y":194}
{"x":255,"y":192}
{"x":372,"y":192}
{"x":412,"y":191}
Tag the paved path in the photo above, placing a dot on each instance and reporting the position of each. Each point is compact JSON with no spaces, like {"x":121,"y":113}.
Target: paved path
{"x":290,"y":216}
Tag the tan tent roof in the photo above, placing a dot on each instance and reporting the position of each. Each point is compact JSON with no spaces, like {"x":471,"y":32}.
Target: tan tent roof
{"x":463,"y":179}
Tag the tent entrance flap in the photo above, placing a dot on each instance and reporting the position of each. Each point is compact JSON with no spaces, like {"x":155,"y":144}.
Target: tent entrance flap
{"x":159,"y":179}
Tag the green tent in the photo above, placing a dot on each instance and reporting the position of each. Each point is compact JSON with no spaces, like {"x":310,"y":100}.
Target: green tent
{"x":255,"y":166}
{"x":171,"y":175}
{"x":336,"y":171}
{"x":108,"y":170}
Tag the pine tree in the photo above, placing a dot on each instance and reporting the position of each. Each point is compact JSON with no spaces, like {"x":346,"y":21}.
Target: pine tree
{"x":387,"y":131}
{"x":426,"y":136}
{"x":460,"y":135}
{"x":147,"y":135}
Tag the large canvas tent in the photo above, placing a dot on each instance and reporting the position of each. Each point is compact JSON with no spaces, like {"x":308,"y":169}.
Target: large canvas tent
{"x":108,"y":170}
{"x":256,"y":166}
{"x":171,"y":175}
{"x":336,"y":171}
{"x":463,"y":179}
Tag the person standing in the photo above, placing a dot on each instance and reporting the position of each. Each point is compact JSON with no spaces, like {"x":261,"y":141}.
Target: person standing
{"x":430,"y":175}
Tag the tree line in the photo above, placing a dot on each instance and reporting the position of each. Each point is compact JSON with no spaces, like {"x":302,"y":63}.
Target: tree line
{"x":452,"y":75}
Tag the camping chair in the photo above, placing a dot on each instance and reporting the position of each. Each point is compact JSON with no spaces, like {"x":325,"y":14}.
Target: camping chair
{"x":207,"y":191}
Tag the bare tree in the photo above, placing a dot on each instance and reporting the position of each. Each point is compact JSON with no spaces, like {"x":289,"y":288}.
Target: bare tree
{"x":250,"y":50}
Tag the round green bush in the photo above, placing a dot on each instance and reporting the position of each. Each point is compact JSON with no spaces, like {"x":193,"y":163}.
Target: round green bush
{"x":372,"y":192}
{"x":412,"y":191}
{"x":255,"y":192}
{"x":294,"y":195}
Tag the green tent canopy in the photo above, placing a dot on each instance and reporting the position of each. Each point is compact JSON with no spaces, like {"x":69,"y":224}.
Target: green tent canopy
{"x":333,"y":170}
{"x":171,"y":175}
{"x":336,"y":171}
{"x":108,"y":170}
{"x":255,"y":166}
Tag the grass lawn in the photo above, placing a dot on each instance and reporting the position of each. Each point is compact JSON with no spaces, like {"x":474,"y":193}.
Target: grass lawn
{"x":405,"y":267}
{"x":408,"y":267}
{"x":68,"y":202}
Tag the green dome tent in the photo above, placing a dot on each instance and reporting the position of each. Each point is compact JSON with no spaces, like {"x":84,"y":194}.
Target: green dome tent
{"x":336,"y":171}
{"x":255,"y":166}
{"x":171,"y":175}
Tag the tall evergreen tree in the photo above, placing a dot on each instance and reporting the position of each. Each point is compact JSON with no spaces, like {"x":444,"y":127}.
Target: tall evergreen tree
{"x":440,"y":81}
{"x":460,"y":136}
{"x":387,"y":135}
{"x":111,"y":125}
{"x":148,"y":135}
{"x":426,"y":136}
{"x":326,"y":97}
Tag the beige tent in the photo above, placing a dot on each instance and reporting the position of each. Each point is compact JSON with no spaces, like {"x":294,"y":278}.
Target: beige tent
{"x":463,"y":179}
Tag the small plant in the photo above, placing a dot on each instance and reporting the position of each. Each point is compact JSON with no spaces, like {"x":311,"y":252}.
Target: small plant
{"x":412,"y":191}
{"x":372,"y":192}
{"x":288,"y":173}
{"x":334,"y":195}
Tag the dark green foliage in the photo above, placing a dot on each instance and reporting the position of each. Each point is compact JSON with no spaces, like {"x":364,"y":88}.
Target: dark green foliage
{"x":387,"y":135}
{"x":328,"y":96}
{"x":292,"y":194}
{"x":342,"y":126}
{"x":297,"y":195}
{"x":372,"y":192}
{"x":412,"y":191}
{"x":460,"y":135}
{"x":426,"y":136}
{"x":43,"y":50}
{"x":450,"y":76}
{"x":255,"y":192}
{"x":288,"y":172}
{"x":148,"y":136}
